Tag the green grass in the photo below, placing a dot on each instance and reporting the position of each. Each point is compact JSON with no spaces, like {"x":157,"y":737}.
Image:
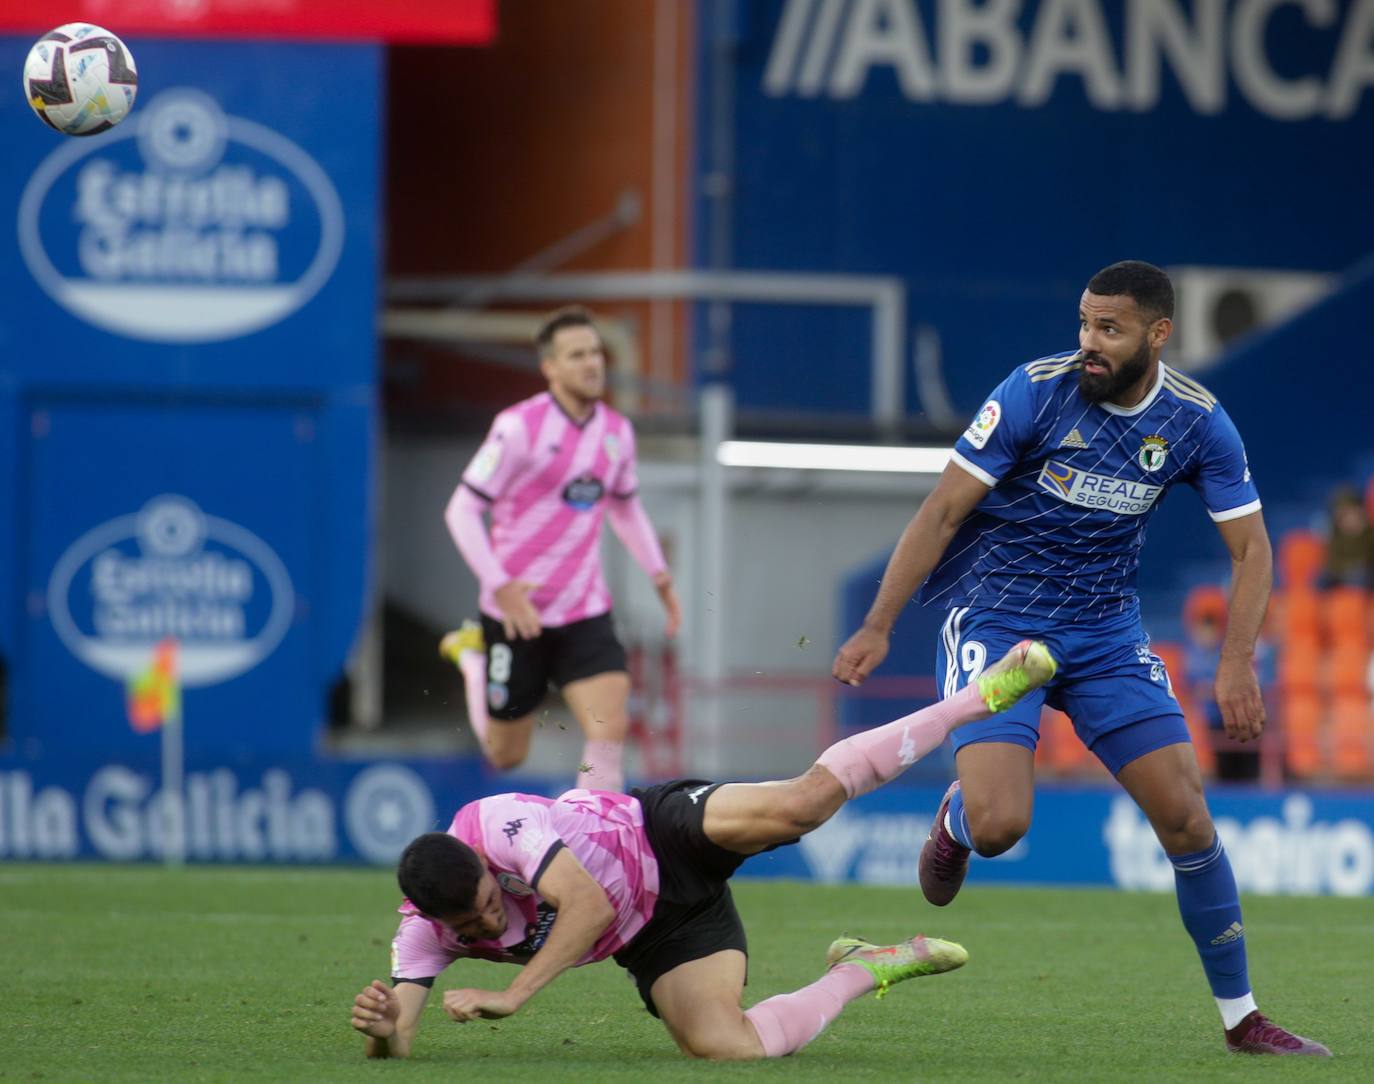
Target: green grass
{"x":136,"y":974}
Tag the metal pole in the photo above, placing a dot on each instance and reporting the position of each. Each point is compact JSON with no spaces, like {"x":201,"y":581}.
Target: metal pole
{"x":717,"y":423}
{"x":173,"y":806}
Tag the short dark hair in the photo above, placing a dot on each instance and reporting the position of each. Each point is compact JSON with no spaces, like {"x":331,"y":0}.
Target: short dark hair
{"x":439,"y":874}
{"x":1144,"y":282}
{"x":571,"y":316}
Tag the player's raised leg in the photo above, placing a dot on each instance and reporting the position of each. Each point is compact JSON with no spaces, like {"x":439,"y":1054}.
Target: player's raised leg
{"x":465,"y":648}
{"x":600,"y":705}
{"x":749,"y":817}
{"x":1167,"y":785}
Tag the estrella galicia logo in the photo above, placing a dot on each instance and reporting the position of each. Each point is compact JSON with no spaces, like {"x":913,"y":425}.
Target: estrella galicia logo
{"x":181,"y":225}
{"x":171,"y":571}
{"x":583,"y":493}
{"x":387,"y":806}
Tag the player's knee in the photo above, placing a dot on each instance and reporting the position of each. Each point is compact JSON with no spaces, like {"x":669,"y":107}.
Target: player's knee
{"x":1185,"y":830}
{"x":998,"y":831}
{"x":723,"y":1043}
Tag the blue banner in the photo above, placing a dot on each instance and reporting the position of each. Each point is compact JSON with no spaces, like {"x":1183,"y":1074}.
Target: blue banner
{"x":188,"y":362}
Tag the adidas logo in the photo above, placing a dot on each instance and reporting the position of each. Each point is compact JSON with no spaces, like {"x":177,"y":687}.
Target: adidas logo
{"x":1073,"y":440}
{"x":1233,"y":932}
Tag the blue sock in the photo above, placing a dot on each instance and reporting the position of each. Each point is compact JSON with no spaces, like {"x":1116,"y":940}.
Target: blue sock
{"x":1210,"y":906}
{"x":958,"y":820}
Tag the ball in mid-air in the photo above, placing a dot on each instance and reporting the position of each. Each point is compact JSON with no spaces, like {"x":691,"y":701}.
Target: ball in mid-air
{"x":80,"y":79}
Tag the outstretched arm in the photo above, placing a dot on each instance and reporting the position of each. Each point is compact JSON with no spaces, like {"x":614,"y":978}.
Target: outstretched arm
{"x":918,"y":551}
{"x":1252,"y":575}
{"x":584,"y":913}
{"x":389,"y":1017}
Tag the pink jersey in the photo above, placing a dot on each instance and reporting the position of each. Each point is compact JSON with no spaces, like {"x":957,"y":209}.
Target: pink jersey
{"x":518,"y":835}
{"x":547,"y":478}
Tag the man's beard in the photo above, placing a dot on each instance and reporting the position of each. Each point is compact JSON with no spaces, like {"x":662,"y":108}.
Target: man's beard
{"x":1099,"y":389}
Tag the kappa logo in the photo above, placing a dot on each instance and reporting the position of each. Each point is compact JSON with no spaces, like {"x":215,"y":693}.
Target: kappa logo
{"x":906,"y":752}
{"x":1073,"y":440}
{"x":512,"y":828}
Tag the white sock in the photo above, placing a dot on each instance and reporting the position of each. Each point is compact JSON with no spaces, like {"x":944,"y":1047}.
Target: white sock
{"x":1235,"y":1009}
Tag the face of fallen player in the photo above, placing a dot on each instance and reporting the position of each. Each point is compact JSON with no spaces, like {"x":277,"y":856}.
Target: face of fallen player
{"x":575,"y":366}
{"x":1120,"y":347}
{"x":487,"y":919}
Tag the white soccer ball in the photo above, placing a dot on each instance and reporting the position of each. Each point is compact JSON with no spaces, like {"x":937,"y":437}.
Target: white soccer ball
{"x":80,"y":79}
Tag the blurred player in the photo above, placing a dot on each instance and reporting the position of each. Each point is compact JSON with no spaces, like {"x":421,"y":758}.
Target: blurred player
{"x":552,"y":884}
{"x":552,"y":467}
{"x":1035,"y":529}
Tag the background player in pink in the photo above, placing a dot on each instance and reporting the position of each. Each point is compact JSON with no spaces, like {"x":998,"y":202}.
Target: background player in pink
{"x":552,"y":467}
{"x":644,"y":878}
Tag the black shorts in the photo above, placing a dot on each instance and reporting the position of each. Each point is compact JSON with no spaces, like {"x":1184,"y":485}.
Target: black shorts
{"x":519,"y":671}
{"x":695,"y":914}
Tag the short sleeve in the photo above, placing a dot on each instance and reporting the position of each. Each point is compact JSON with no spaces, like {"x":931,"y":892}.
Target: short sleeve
{"x":625,"y":481}
{"x":1000,"y":432}
{"x":518,"y":835}
{"x":1222,"y":478}
{"x":416,"y":952}
{"x":499,"y":457}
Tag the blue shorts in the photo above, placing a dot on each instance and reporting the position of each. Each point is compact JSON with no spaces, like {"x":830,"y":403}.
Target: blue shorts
{"x":1110,"y":684}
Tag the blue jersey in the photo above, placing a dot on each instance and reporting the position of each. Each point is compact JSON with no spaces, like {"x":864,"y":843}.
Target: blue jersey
{"x":1074,"y":484}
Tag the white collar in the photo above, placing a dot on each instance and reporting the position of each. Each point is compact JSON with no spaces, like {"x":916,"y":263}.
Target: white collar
{"x":1126,"y":412}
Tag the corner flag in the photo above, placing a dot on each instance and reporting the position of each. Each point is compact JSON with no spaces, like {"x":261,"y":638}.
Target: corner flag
{"x":154,"y":696}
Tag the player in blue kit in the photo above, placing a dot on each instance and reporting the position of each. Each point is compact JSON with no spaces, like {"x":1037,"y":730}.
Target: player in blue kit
{"x":1034,"y":530}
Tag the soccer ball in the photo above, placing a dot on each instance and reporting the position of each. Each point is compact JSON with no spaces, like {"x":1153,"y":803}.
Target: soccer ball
{"x":80,"y":79}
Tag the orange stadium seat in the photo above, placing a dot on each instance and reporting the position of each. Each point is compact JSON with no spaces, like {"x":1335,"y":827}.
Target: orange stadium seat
{"x":1302,"y":724}
{"x":1206,"y":600}
{"x":1301,"y":556}
{"x":1060,"y":752}
{"x":1299,"y":666}
{"x":1298,"y":613}
{"x":1351,"y":726}
{"x":1345,"y":614}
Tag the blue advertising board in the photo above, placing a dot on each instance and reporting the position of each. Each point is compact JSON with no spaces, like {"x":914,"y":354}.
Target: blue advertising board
{"x":187,"y":377}
{"x":995,"y":154}
{"x":328,"y":811}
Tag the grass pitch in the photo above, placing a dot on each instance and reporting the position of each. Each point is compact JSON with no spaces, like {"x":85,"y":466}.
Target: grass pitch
{"x":218,"y":974}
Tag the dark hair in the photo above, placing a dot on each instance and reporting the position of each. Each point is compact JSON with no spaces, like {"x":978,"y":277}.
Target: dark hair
{"x":571,"y":316}
{"x":439,"y":874}
{"x":1150,"y":287}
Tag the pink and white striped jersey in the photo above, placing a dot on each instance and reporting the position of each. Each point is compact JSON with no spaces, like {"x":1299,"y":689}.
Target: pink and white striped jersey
{"x":518,"y":835}
{"x":546,"y":478}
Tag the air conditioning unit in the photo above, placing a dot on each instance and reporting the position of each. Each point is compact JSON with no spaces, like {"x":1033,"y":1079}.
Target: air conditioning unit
{"x":1216,"y":305}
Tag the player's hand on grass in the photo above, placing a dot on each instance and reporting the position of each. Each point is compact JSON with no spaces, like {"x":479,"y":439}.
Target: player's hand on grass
{"x":518,"y":615}
{"x":376,"y":1010}
{"x":1238,"y":697}
{"x":663,"y":584}
{"x":465,"y":1005}
{"x":860,"y":656}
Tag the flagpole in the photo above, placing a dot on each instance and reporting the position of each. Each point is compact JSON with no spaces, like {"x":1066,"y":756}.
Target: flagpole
{"x":173,"y":785}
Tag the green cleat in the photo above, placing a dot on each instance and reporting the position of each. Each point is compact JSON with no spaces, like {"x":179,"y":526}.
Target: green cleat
{"x":1026,"y":666}
{"x":891,"y":964}
{"x":466,"y":637}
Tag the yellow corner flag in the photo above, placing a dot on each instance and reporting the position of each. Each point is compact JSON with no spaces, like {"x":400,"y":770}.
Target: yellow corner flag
{"x":154,"y":696}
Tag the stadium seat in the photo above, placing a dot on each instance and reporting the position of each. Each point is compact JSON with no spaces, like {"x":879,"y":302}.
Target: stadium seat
{"x":1351,"y":726}
{"x":1298,"y":613}
{"x":1301,"y":557}
{"x":1205,"y":600}
{"x":1302,"y":725}
{"x":1299,"y":666}
{"x":1345,"y":615}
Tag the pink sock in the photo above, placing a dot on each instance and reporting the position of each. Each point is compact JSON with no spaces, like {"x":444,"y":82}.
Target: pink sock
{"x":788,"y":1022}
{"x":474,"y":667}
{"x":600,"y":768}
{"x":870,"y":758}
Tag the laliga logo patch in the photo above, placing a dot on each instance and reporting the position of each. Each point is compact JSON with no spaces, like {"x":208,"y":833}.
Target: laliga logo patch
{"x":513,"y":885}
{"x":1153,"y":451}
{"x":982,"y":426}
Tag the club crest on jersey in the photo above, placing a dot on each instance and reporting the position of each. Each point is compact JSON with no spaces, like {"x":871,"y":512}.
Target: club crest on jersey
{"x":583,"y":493}
{"x":1101,"y":491}
{"x":1153,"y":452}
{"x":512,"y":884}
{"x":982,"y":426}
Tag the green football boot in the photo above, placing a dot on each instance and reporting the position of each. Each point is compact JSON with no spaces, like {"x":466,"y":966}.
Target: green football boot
{"x":1025,"y":667}
{"x":891,"y":964}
